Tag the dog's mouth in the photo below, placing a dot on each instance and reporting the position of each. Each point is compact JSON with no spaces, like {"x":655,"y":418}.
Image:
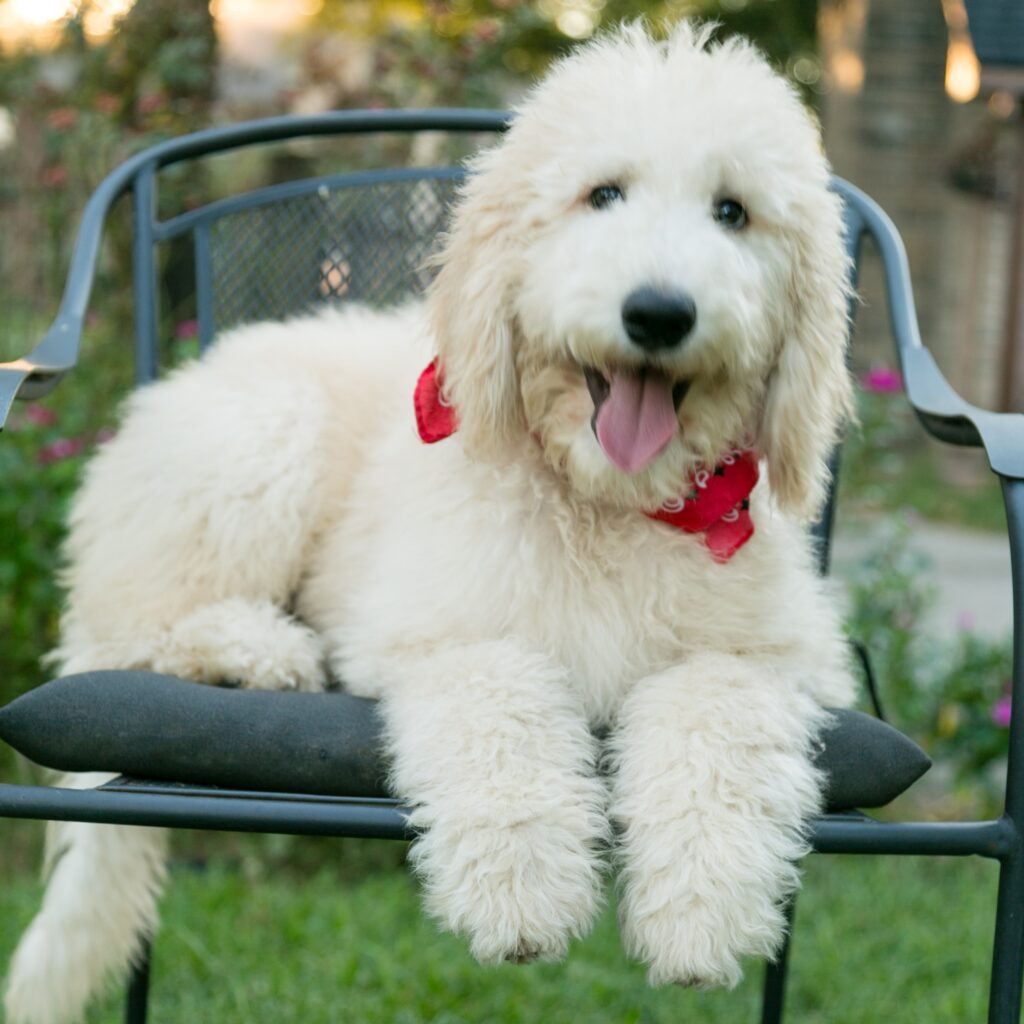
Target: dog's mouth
{"x":635,"y":413}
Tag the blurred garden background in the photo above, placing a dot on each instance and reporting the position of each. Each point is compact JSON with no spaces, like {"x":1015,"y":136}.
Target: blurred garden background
{"x":920,"y":105}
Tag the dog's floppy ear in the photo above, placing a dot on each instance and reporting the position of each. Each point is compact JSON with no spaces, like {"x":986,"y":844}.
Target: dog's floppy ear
{"x":470,"y":304}
{"x":810,"y":394}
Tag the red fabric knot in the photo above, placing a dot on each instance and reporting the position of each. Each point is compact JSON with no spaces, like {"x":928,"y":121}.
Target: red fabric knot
{"x":717,"y":503}
{"x":435,"y":418}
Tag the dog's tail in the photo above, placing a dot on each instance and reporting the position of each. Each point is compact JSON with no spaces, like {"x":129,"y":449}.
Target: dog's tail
{"x":100,"y":907}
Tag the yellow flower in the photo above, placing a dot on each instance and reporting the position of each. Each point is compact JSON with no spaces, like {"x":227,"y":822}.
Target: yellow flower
{"x":950,"y":717}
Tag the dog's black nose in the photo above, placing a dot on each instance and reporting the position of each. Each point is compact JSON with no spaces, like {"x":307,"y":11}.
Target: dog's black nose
{"x":656,"y":319}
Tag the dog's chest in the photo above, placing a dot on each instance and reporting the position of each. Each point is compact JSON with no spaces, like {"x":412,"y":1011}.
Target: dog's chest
{"x":611,"y":600}
{"x":622,"y":603}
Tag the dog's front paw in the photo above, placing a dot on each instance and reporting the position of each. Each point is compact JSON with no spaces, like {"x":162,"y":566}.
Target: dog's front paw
{"x":697,"y":940}
{"x":518,"y":892}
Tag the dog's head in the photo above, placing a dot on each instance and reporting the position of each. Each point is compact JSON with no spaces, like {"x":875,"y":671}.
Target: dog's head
{"x":647,"y":271}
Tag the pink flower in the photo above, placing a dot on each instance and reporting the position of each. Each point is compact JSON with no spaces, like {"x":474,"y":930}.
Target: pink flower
{"x":105,"y":435}
{"x":55,"y":176}
{"x":1001,"y":712}
{"x":107,"y":103}
{"x":882,"y":381}
{"x":62,"y":118}
{"x":488,"y":30}
{"x":186,"y":329}
{"x":150,"y":104}
{"x":965,"y":621}
{"x":62,"y":448}
{"x":40,"y":415}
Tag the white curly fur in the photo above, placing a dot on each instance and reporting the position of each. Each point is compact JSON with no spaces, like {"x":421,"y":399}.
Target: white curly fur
{"x":269,"y":513}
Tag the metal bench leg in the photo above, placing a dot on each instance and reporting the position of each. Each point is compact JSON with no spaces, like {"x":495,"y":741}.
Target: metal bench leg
{"x":774,"y":997}
{"x":1005,"y":991}
{"x":136,"y":1004}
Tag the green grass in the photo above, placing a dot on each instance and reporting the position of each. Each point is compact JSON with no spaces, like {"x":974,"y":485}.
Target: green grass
{"x":878,"y":939}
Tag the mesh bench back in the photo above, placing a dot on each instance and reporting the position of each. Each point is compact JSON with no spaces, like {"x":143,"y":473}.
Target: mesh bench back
{"x":284,"y":250}
{"x":359,"y":240}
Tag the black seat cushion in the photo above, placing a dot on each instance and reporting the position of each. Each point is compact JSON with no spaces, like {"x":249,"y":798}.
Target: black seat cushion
{"x":157,"y":727}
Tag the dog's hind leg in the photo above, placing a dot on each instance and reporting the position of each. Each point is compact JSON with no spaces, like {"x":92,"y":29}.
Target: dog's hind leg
{"x":239,"y":641}
{"x":100,"y":906}
{"x":252,"y":643}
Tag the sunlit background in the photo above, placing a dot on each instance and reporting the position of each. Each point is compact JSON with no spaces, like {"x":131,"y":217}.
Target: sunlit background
{"x":246,"y":25}
{"x":900,"y":92}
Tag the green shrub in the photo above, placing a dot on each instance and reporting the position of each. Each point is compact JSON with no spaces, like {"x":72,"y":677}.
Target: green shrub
{"x":950,"y":693}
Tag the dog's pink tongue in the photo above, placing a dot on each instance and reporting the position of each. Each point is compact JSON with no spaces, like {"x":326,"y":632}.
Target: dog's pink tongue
{"x":637,"y":419}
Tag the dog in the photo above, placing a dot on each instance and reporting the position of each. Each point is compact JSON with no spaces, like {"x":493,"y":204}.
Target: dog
{"x":569,"y":492}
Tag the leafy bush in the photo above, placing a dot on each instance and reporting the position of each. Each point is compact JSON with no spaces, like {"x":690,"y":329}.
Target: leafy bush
{"x":32,"y":508}
{"x":33,"y":504}
{"x":890,"y":464}
{"x":950,"y":693}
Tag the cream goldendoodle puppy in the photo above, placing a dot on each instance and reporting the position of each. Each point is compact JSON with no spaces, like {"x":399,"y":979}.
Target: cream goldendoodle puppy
{"x":642,"y":306}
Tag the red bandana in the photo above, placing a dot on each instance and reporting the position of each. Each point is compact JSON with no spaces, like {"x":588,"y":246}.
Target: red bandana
{"x":435,"y":417}
{"x":717,"y":503}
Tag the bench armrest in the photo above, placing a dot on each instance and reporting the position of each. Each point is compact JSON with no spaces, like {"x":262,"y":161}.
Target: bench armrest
{"x":941,"y":410}
{"x":34,"y":375}
{"x":37,"y":373}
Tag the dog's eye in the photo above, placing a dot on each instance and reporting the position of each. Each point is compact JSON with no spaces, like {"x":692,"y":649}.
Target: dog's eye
{"x":730,"y":214}
{"x":605,"y":195}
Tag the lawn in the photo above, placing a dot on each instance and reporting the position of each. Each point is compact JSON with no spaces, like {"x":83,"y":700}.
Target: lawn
{"x":899,"y":940}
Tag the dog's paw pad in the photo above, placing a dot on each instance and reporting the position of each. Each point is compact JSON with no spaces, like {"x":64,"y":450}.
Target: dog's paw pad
{"x":523,"y":954}
{"x":695,"y":981}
